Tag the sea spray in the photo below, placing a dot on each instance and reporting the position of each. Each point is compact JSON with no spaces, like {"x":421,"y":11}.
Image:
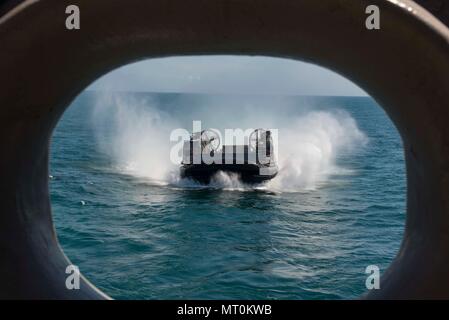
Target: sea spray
{"x":134,"y":132}
{"x":309,"y":147}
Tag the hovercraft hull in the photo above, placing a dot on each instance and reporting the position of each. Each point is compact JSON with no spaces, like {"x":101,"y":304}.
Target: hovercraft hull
{"x":248,"y":173}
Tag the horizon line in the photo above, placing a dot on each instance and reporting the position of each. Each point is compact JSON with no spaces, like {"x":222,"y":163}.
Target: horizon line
{"x":224,"y":93}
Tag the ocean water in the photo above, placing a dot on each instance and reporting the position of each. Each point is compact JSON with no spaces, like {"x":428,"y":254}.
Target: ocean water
{"x":137,"y":231}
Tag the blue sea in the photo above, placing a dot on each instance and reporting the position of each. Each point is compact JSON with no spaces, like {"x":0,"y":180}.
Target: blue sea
{"x":138,"y":231}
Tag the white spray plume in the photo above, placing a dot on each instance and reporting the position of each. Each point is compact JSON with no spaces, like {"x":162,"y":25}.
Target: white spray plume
{"x":309,"y":147}
{"x":135,"y":134}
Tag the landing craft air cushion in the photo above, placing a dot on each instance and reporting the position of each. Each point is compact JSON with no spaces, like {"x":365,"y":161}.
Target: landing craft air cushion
{"x":253,"y":162}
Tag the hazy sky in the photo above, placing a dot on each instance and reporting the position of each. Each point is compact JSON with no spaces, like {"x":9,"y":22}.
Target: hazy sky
{"x":227,"y":74}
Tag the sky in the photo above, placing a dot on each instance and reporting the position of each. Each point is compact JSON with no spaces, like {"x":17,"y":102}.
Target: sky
{"x":227,"y":75}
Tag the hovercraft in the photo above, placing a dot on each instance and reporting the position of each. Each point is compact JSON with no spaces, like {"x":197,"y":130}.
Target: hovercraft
{"x":204,"y":156}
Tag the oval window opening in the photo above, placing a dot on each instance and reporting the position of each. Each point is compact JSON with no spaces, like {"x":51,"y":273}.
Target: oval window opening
{"x":140,"y":223}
